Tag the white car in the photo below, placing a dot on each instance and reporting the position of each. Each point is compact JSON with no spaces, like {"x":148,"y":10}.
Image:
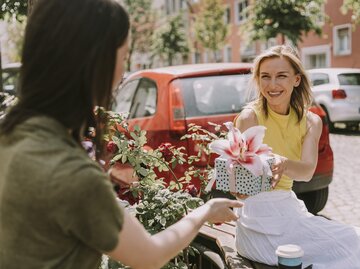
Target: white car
{"x":337,"y":90}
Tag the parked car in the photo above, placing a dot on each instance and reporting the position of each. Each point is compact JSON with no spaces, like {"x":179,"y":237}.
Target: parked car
{"x":10,"y":77}
{"x":165,"y":101}
{"x":337,"y":90}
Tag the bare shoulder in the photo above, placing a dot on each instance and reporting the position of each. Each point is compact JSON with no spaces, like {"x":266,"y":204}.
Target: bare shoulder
{"x":246,"y":119}
{"x":313,"y":123}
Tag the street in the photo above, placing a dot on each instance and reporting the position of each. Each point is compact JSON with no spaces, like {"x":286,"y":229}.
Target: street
{"x":344,"y":196}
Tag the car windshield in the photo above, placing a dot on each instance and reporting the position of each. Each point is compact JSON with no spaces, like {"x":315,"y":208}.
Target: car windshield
{"x":215,"y":94}
{"x":10,"y":79}
{"x":349,"y":79}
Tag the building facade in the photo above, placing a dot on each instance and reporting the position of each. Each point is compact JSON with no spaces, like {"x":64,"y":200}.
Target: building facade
{"x":339,"y":45}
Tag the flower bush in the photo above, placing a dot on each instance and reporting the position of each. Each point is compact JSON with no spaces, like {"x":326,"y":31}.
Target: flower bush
{"x":158,"y":205}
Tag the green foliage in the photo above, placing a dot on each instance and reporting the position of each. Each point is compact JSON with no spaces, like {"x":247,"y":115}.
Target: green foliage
{"x":354,"y":6}
{"x":15,"y":30}
{"x":160,"y":206}
{"x":158,"y":209}
{"x":142,"y":20}
{"x":210,"y":27}
{"x":171,"y":40}
{"x":289,"y":18}
{"x":14,"y":8}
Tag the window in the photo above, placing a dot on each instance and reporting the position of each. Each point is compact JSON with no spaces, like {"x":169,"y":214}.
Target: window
{"x":227,"y":16}
{"x":10,"y":78}
{"x":167,"y":7}
{"x":227,"y":54}
{"x":247,"y":52}
{"x":125,"y":96}
{"x":144,"y":101}
{"x":215,"y":94}
{"x":342,"y":39}
{"x":269,"y":43}
{"x":320,"y":19}
{"x":196,"y":57}
{"x":317,"y":60}
{"x":174,"y":6}
{"x":316,"y":56}
{"x":349,"y":79}
{"x":241,"y":10}
{"x":319,"y":78}
{"x":182,"y":4}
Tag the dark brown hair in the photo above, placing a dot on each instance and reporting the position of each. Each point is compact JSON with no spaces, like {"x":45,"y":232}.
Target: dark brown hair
{"x":68,"y":62}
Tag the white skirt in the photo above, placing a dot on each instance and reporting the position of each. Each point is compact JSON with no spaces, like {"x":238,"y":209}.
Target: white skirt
{"x":270,"y":219}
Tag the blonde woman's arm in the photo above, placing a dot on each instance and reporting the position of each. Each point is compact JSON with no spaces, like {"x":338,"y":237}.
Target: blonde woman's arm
{"x":246,"y":119}
{"x":138,"y":249}
{"x":304,"y":169}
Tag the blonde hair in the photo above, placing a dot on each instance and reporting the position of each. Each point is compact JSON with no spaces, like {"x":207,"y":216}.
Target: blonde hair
{"x":301,"y":96}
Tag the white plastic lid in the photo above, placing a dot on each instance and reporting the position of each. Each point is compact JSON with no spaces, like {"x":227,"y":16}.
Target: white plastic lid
{"x":289,"y":251}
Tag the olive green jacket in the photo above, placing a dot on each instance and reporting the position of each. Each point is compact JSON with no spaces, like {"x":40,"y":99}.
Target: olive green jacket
{"x":57,"y":206}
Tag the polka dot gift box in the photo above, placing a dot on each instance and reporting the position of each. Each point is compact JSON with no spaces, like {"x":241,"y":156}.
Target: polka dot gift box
{"x":244,"y":162}
{"x":244,"y":181}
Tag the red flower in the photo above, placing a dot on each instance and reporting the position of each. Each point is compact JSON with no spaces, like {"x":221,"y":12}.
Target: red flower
{"x":192,"y":190}
{"x":111,"y":147}
{"x":165,"y":149}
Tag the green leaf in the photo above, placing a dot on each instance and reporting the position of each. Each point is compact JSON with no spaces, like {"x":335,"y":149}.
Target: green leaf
{"x":142,"y":171}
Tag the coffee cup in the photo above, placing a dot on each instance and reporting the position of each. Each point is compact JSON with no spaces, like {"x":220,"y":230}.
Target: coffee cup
{"x":289,"y":256}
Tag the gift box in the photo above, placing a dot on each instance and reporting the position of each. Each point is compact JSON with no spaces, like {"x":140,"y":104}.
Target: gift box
{"x":239,"y":179}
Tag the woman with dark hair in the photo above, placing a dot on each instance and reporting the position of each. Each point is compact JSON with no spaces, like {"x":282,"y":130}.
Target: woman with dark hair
{"x":57,"y":206}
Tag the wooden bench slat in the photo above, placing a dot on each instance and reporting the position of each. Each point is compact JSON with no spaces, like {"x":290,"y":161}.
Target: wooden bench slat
{"x":224,"y":237}
{"x":232,"y":258}
{"x":226,"y":228}
{"x":211,"y":233}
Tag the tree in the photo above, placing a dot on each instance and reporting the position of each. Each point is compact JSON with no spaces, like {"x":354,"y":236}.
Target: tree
{"x":289,"y":18}
{"x":210,"y":27}
{"x":142,"y":21}
{"x":171,"y":40}
{"x":354,"y":6}
{"x":12,"y":8}
{"x":14,"y":38}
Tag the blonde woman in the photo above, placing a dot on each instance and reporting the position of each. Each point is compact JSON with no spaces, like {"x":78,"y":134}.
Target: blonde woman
{"x":274,"y":218}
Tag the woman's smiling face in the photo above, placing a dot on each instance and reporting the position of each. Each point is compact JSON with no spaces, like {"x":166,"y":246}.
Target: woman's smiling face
{"x":277,"y":80}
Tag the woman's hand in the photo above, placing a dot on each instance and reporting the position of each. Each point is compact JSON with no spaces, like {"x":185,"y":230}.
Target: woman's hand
{"x":278,"y":169}
{"x":219,"y":210}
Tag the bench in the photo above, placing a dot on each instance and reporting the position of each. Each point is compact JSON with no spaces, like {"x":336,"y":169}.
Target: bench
{"x":220,"y":239}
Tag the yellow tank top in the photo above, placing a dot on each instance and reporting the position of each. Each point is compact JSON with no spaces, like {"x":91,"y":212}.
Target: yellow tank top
{"x":284,"y":135}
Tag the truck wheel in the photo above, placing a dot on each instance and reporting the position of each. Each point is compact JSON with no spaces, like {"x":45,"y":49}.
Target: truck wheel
{"x":315,"y":201}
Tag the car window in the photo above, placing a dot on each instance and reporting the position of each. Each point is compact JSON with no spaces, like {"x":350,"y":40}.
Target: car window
{"x":349,"y":79}
{"x":10,"y":79}
{"x":215,"y":94}
{"x":319,"y":78}
{"x":125,"y":96}
{"x":144,"y":102}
